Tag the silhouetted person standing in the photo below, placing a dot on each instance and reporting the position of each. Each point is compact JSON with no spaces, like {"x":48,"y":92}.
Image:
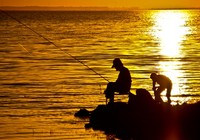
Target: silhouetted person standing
{"x":123,"y":82}
{"x":165,"y":83}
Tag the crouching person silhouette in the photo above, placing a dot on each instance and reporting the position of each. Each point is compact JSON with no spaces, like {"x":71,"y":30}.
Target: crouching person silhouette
{"x":122,"y":84}
{"x":165,"y":83}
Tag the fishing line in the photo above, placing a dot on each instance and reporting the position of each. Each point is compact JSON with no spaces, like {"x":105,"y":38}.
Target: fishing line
{"x":54,"y":45}
{"x":24,"y":48}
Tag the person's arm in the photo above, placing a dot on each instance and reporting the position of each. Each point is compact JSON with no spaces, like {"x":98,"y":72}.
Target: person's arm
{"x":154,"y":86}
{"x":119,"y":79}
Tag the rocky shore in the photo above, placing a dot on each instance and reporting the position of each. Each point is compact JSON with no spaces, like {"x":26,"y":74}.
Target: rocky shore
{"x":144,"y":119}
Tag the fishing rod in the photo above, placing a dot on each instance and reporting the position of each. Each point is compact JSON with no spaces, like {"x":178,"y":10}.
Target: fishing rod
{"x":66,"y":53}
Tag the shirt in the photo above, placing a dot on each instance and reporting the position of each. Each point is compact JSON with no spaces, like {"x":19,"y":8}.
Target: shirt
{"x":124,"y":80}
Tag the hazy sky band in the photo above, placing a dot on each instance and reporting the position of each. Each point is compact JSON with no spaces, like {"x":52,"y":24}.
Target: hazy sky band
{"x":105,"y":3}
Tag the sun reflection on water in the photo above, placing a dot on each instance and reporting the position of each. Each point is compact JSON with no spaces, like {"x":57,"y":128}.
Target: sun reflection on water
{"x":170,"y":30}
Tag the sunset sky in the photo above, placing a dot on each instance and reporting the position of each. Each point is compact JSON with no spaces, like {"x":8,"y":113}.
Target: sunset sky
{"x":105,"y":3}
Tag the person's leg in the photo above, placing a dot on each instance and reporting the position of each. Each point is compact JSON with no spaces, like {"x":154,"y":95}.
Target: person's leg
{"x":169,"y":93}
{"x":109,"y":92}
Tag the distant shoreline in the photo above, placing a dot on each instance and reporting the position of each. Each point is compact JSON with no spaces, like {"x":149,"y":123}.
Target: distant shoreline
{"x":39,"y":8}
{"x":62,"y":8}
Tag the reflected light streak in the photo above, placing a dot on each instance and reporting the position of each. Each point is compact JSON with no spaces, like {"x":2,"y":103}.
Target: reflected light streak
{"x":170,"y":30}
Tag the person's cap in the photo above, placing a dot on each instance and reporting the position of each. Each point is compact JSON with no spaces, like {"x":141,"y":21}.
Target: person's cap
{"x":116,"y":62}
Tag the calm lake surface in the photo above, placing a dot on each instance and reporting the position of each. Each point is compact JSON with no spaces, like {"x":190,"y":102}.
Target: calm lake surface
{"x":43,"y":85}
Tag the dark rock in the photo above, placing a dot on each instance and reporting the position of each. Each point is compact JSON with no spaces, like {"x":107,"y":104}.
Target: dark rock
{"x":142,"y":118}
{"x":82,"y":113}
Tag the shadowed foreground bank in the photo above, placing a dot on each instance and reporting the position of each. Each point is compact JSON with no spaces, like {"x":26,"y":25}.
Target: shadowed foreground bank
{"x":142,"y":118}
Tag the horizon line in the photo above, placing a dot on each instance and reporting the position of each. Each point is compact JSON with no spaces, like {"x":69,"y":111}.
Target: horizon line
{"x":70,"y":8}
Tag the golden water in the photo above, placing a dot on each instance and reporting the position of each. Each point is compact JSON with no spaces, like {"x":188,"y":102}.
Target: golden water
{"x":41,"y":86}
